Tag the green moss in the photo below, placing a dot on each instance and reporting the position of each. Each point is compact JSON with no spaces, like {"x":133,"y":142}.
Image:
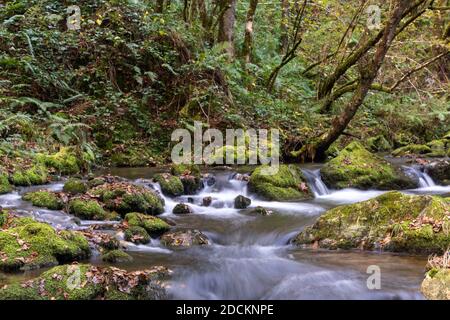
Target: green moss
{"x":185,"y":169}
{"x":132,"y":157}
{"x":125,"y":198}
{"x":154,"y":226}
{"x":64,"y":162}
{"x":44,"y":199}
{"x":87,"y":209}
{"x":378,"y":144}
{"x":285,"y":185}
{"x":355,"y":167}
{"x":35,"y":175}
{"x":116,"y":256}
{"x":436,"y":285}
{"x":96,"y":182}
{"x":29,"y":244}
{"x":411,"y":149}
{"x":86,"y":282}
{"x":137,"y":235}
{"x":5,"y":186}
{"x":439,"y":148}
{"x":3,"y":217}
{"x":170,"y":185}
{"x":75,"y":186}
{"x":392,"y":221}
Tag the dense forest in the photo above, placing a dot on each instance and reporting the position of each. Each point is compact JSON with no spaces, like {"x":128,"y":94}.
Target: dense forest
{"x":91,"y":91}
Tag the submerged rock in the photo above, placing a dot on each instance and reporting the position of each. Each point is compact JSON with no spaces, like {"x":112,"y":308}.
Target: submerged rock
{"x":184,"y":238}
{"x":75,"y":186}
{"x":44,"y":199}
{"x":125,"y":197}
{"x":182,"y":208}
{"x":27,"y":244}
{"x":241,"y":202}
{"x":436,"y":285}
{"x":170,"y":185}
{"x":355,"y":167}
{"x":288,"y":184}
{"x":116,"y":256}
{"x":206,"y":202}
{"x":392,"y":222}
{"x":86,"y":282}
{"x":153,"y":225}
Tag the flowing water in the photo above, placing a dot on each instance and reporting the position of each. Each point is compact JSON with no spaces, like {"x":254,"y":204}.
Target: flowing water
{"x":250,"y":256}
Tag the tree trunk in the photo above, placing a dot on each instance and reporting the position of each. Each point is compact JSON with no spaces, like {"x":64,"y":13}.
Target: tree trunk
{"x":369,"y":67}
{"x":248,"y":38}
{"x":159,"y":6}
{"x":284,"y":38}
{"x":226,"y":26}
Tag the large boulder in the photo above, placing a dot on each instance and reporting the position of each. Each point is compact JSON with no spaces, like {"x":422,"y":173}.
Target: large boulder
{"x":184,"y":238}
{"x":87,"y":209}
{"x":436,"y":285}
{"x":86,"y":282}
{"x":26,"y":244}
{"x":170,"y":185}
{"x":124,"y":198}
{"x":355,"y":167}
{"x":190,"y":176}
{"x":75,"y":186}
{"x":392,"y":222}
{"x":287,"y":184}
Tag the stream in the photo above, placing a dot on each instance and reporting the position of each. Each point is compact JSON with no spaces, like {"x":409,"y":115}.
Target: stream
{"x":250,"y":256}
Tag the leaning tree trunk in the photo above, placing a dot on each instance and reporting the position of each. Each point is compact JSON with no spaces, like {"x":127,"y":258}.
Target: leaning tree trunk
{"x":369,"y":67}
{"x":226,"y":26}
{"x":248,"y":38}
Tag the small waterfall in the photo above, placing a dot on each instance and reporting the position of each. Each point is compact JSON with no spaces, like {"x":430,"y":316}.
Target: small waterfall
{"x":422,"y":177}
{"x":315,"y":182}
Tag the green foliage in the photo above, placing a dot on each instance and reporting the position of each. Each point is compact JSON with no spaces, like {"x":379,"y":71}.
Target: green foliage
{"x":44,"y":199}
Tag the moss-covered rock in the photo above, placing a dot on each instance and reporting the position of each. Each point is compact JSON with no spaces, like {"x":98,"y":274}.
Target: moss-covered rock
{"x":5,"y":186}
{"x":27,"y":244}
{"x":170,"y":185}
{"x":95,"y":182}
{"x":44,"y":199}
{"x":411,"y":149}
{"x":75,"y":186}
{"x":392,"y":221}
{"x":436,"y":285}
{"x":378,"y":144}
{"x":355,"y":167}
{"x":153,"y":225}
{"x":190,"y":177}
{"x":132,"y":157}
{"x":116,"y":256}
{"x":87,"y":209}
{"x":64,"y":162}
{"x":35,"y":175}
{"x":125,"y":198}
{"x":288,"y":184}
{"x":182,"y":208}
{"x":137,"y":235}
{"x":86,"y":282}
{"x":439,"y":148}
{"x":184,"y":238}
